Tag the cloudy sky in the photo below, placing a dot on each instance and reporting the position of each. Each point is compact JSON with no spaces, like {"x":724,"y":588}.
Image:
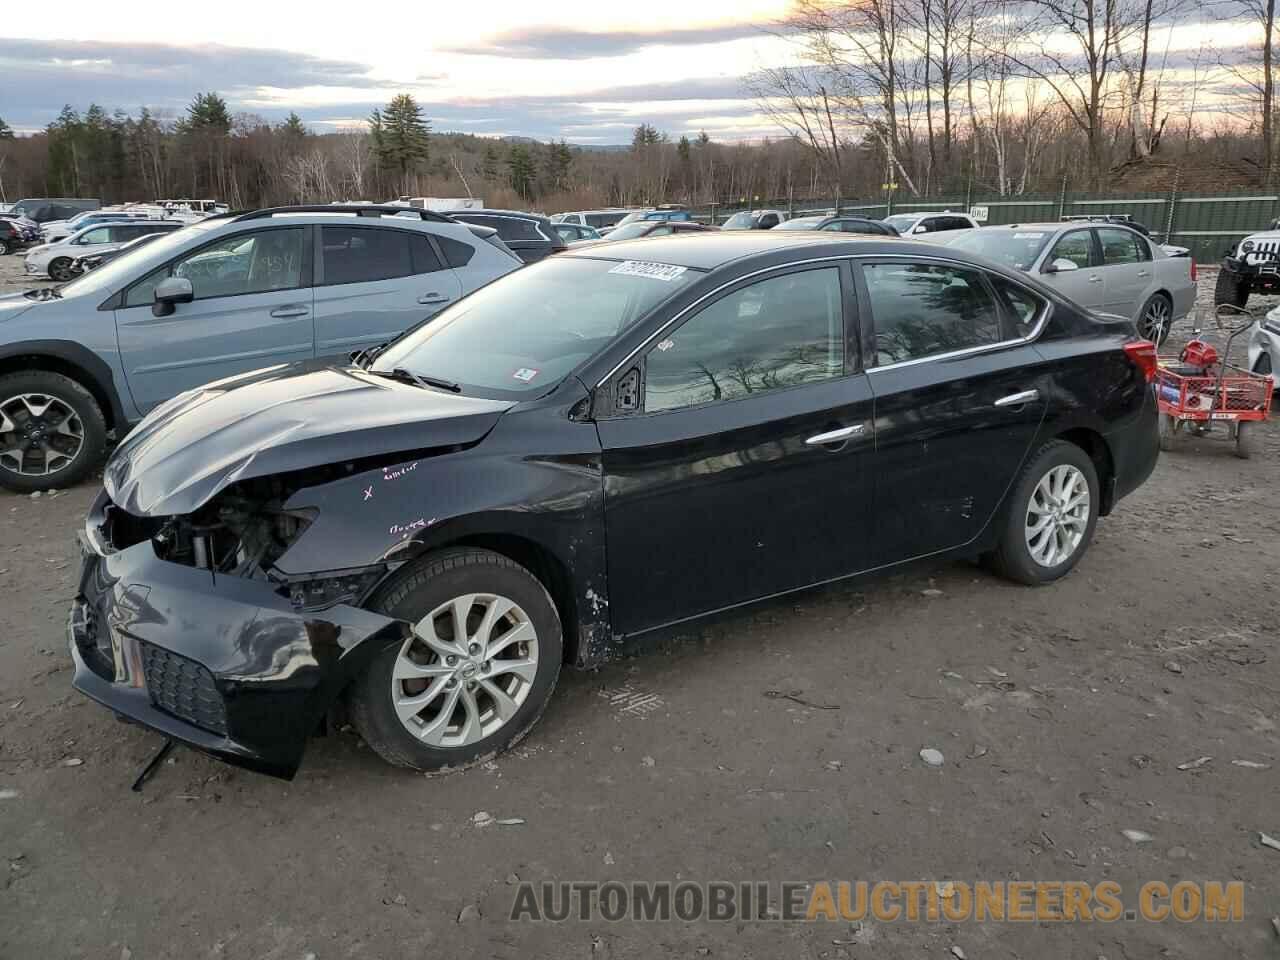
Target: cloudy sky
{"x":587,"y":70}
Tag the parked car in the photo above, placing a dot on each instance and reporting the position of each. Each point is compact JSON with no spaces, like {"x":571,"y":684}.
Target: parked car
{"x":1108,"y":268}
{"x":54,"y":259}
{"x":1127,"y":220}
{"x":44,"y":209}
{"x":573,"y":232}
{"x":20,"y":232}
{"x":668,"y":212}
{"x":1264,"y":344}
{"x":587,"y":453}
{"x":592,"y":218}
{"x":638,"y":229}
{"x":911,"y":224}
{"x":218,"y":298}
{"x":530,"y":236}
{"x":94,"y":260}
{"x":56,"y":230}
{"x":839,"y":224}
{"x":754,"y":220}
{"x":1251,"y":266}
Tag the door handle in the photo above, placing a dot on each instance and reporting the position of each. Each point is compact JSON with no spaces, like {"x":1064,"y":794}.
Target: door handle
{"x":291,"y":310}
{"x":1018,"y":399}
{"x":835,"y":436}
{"x":433,"y":298}
{"x":1095,"y":279}
{"x":1144,"y":273}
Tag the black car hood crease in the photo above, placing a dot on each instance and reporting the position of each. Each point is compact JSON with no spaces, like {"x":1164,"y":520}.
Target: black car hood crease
{"x":277,"y":420}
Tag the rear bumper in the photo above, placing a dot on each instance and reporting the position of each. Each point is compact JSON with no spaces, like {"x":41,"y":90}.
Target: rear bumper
{"x":223,"y":664}
{"x":1135,"y":447}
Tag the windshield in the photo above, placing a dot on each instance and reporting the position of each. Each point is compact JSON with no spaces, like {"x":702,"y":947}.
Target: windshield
{"x":800,"y":223}
{"x":739,"y":221}
{"x":902,"y":222}
{"x":121,"y":270}
{"x":630,"y":231}
{"x":524,"y":333}
{"x":632,"y":217}
{"x":1013,"y":248}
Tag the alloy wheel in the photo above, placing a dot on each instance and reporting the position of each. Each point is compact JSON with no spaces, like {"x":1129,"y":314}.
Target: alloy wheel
{"x":466,"y":671}
{"x":1155,"y":320}
{"x":1057,"y":516}
{"x":39,"y":434}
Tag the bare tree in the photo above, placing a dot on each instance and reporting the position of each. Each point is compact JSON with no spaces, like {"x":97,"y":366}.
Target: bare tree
{"x":1258,"y":77}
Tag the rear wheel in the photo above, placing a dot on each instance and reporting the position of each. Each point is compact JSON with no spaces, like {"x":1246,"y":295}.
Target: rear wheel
{"x":52,"y":431}
{"x":1246,"y":439}
{"x":1231,"y":288}
{"x":1156,"y":318}
{"x":4,"y":247}
{"x":1052,"y":512}
{"x":477,"y":671}
{"x":60,"y":269}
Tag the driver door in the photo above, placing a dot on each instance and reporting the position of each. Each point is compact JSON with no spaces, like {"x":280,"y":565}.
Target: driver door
{"x":252,"y":309}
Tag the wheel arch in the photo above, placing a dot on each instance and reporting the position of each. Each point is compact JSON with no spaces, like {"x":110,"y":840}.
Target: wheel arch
{"x":1095,"y":445}
{"x":71,"y":360}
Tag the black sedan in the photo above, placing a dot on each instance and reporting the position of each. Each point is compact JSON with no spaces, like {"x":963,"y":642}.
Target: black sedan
{"x":580,"y":456}
{"x":530,"y":236}
{"x":840,"y":224}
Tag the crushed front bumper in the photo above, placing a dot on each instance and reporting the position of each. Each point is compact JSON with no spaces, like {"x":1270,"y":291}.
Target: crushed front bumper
{"x":223,"y":664}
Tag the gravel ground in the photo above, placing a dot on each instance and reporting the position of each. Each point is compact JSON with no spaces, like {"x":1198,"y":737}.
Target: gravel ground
{"x":1062,"y":715}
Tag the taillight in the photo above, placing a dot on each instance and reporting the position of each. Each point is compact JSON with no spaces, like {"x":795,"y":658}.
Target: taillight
{"x":1194,"y":274}
{"x":1142,"y":354}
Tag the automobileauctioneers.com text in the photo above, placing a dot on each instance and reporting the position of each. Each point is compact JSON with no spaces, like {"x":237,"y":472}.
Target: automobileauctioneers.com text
{"x":886,"y":901}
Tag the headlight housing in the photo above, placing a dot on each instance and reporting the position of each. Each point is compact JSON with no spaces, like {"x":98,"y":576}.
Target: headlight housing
{"x":1247,"y":246}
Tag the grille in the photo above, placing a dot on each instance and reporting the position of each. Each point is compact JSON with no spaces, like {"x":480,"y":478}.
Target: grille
{"x":183,"y":688}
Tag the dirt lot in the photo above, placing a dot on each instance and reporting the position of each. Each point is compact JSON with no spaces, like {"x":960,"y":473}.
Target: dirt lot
{"x":1062,"y":714}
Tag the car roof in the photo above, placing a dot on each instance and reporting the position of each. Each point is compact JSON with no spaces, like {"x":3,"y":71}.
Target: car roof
{"x":491,"y":212}
{"x":715,"y":249}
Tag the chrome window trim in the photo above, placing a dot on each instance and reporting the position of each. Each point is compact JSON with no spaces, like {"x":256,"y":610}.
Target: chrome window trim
{"x":537,"y":225}
{"x":1045,"y":311}
{"x":1041,"y":321}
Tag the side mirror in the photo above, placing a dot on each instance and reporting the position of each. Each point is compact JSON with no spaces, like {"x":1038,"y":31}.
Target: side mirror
{"x":1062,"y":265}
{"x":920,"y":229}
{"x":171,"y":291}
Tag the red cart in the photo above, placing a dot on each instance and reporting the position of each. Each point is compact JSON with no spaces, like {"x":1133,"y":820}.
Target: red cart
{"x":1198,"y":391}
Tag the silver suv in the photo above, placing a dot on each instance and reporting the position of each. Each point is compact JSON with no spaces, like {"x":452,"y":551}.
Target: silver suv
{"x":221,"y":297}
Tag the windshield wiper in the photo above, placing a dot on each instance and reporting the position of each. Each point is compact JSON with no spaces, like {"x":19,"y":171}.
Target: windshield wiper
{"x":408,"y":376}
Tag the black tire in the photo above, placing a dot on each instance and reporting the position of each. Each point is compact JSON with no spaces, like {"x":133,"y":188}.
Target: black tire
{"x":93,"y":428}
{"x":60,"y":269}
{"x":1012,"y":557}
{"x":1168,"y":432}
{"x":434,"y":581}
{"x":1231,"y":288}
{"x":1146,"y":323}
{"x":4,"y":247}
{"x":1246,"y":439}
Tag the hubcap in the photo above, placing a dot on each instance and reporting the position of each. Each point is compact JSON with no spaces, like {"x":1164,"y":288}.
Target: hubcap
{"x":1156,"y":320}
{"x":465,"y":671}
{"x":1057,"y":516}
{"x":39,"y":434}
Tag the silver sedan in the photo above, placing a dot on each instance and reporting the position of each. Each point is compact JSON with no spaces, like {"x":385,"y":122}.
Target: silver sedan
{"x":1105,"y":267}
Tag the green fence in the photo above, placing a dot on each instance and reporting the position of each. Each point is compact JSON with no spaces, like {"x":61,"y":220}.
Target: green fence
{"x":1207,"y":224}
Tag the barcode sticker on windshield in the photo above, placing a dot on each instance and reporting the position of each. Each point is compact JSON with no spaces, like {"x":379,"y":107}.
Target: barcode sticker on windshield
{"x":666,"y":272}
{"x":1028,"y":236}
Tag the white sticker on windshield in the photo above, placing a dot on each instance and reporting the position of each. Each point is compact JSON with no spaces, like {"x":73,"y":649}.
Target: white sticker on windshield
{"x":666,"y":272}
{"x":1028,"y":236}
{"x":525,"y":374}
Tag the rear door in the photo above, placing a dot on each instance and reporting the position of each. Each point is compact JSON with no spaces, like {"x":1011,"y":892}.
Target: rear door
{"x":959,"y":395}
{"x":743,"y":470}
{"x":373,"y":283}
{"x":1126,"y":270}
{"x":252,"y":309}
{"x":1085,"y":284}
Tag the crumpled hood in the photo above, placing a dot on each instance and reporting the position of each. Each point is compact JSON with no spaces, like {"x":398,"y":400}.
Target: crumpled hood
{"x":13,"y":305}
{"x":279,"y":419}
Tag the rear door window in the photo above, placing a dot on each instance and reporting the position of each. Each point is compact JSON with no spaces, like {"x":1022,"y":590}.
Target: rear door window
{"x":364,"y":254}
{"x":456,"y":253}
{"x":1121,"y":246}
{"x":924,"y":309}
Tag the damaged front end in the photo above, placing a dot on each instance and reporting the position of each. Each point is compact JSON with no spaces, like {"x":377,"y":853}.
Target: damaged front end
{"x":182,"y":624}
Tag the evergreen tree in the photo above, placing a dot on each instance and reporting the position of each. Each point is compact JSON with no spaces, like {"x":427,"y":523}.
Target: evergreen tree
{"x":683,"y":149}
{"x":293,"y":129}
{"x":491,"y":164}
{"x":521,"y":171}
{"x":401,"y":138}
{"x":6,"y":131}
{"x":208,"y":114}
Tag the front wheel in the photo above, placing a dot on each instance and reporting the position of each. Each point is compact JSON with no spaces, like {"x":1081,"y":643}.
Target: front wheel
{"x":52,"y":431}
{"x":60,"y":269}
{"x":1230,"y":288}
{"x":1052,"y":512}
{"x":477,"y":671}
